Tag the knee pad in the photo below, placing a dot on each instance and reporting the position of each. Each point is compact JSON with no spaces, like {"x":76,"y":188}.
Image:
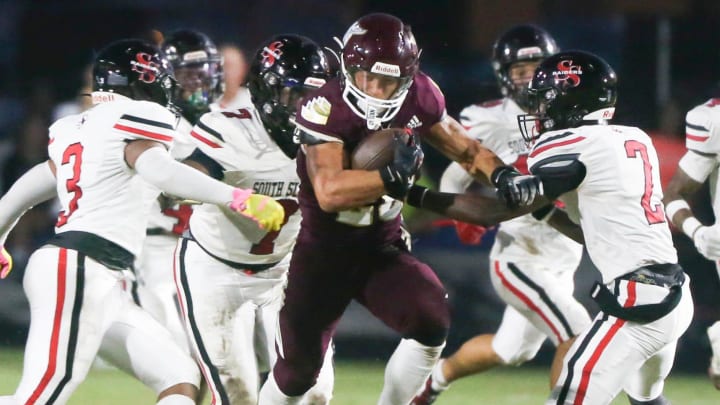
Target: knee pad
{"x":430,"y":323}
{"x":518,"y":358}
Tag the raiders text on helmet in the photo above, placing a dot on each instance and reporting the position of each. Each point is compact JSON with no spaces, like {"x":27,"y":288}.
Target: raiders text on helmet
{"x":569,"y":89}
{"x":198,"y":70}
{"x":135,"y":69}
{"x":381,"y":44}
{"x":520,"y":43}
{"x":282,"y":70}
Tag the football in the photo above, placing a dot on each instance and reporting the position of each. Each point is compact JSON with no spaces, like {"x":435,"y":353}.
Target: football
{"x":376,"y":150}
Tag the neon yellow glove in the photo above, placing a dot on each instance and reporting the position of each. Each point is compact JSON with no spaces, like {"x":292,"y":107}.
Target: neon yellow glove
{"x":264,"y":210}
{"x":5,"y":262}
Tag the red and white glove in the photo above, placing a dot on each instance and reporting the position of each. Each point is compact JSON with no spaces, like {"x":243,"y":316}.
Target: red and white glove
{"x":264,"y":210}
{"x":469,"y":234}
{"x":6,"y":263}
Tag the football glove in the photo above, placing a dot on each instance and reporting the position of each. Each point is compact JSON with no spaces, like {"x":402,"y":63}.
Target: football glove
{"x":398,"y":176}
{"x":516,"y":189}
{"x":707,"y":241}
{"x":264,"y":210}
{"x":6,"y":263}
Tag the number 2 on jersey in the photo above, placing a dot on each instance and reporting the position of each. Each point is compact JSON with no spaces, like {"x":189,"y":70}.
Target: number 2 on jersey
{"x":73,"y":151}
{"x":654,"y":214}
{"x":266,"y":245}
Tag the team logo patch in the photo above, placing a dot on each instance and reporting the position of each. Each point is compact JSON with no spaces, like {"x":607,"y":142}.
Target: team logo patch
{"x":146,"y":67}
{"x":317,"y":110}
{"x":271,"y":53}
{"x":568,"y":74}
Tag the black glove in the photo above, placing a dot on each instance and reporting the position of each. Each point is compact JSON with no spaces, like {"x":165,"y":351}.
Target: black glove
{"x":398,"y":176}
{"x":516,"y":189}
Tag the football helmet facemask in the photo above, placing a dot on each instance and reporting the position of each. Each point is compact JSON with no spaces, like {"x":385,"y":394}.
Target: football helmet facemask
{"x":281,"y":72}
{"x":521,"y":43}
{"x":569,"y":89}
{"x":378,"y":50}
{"x":135,"y":69}
{"x":198,"y":70}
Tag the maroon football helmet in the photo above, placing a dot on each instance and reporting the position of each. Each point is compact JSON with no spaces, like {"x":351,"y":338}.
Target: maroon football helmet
{"x":383,"y":45}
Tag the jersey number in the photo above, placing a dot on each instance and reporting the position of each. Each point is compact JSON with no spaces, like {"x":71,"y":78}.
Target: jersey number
{"x":73,"y":151}
{"x":654,"y":214}
{"x":266,"y":245}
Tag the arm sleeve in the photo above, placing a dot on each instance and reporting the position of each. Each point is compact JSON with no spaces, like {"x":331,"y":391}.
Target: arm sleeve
{"x":159,"y":169}
{"x":34,"y":187}
{"x":559,"y":174}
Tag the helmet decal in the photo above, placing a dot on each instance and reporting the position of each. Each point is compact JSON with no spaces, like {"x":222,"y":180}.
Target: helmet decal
{"x":271,"y":53}
{"x":386,"y":69}
{"x":568,"y":74}
{"x":144,"y":65}
{"x":354,"y":29}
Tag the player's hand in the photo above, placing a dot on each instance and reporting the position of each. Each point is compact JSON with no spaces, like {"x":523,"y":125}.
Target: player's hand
{"x":6,"y":263}
{"x":707,"y":241}
{"x":469,"y":234}
{"x":264,"y":210}
{"x":398,"y":176}
{"x":514,"y":188}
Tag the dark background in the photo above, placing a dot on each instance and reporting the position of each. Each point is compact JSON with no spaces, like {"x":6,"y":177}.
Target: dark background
{"x":665,"y":52}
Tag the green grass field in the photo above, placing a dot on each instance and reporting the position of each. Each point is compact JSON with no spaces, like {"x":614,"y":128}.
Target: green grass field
{"x":359,"y":383}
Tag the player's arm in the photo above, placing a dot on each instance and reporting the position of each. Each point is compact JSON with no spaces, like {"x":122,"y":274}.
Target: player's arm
{"x":559,"y":174}
{"x":34,"y":187}
{"x":155,"y":165}
{"x":693,"y":169}
{"x":337,"y":188}
{"x":451,"y":139}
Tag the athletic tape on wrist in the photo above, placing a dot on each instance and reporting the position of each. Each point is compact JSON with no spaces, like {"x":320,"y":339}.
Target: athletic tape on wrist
{"x":690,"y":226}
{"x":674,"y":206}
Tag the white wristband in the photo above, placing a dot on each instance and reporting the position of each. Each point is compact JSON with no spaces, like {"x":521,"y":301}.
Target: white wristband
{"x":690,"y":226}
{"x":674,"y":206}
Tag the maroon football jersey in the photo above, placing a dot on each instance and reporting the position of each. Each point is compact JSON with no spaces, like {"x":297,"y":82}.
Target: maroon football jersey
{"x":324,"y":114}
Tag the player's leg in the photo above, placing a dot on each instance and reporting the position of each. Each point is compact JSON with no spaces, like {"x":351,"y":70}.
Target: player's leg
{"x":139,"y":345}
{"x":72,"y":299}
{"x":210,"y":295}
{"x":320,"y":286}
{"x":604,"y":358}
{"x":515,"y":342}
{"x":156,"y":288}
{"x":270,"y":302}
{"x":646,"y":385}
{"x":407,"y":296}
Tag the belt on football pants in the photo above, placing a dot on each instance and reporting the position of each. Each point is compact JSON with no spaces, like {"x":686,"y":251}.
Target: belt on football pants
{"x":663,"y":275}
{"x":246,"y":268}
{"x":159,"y":232}
{"x":109,"y":254}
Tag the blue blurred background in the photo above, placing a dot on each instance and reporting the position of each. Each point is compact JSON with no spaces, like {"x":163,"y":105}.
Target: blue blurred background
{"x":665,"y":52}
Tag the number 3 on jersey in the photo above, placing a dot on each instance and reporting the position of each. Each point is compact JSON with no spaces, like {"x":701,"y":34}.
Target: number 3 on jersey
{"x":73,"y":151}
{"x":654,"y":214}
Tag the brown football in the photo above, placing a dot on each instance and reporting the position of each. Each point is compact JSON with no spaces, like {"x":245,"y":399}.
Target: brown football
{"x":376,"y":150}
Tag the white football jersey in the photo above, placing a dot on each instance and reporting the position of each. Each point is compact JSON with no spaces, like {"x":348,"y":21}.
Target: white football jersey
{"x":237,"y":140}
{"x":172,"y":219}
{"x":524,"y":238}
{"x":241,"y":100}
{"x":702,"y":134}
{"x":99,"y":193}
{"x":619,"y":202}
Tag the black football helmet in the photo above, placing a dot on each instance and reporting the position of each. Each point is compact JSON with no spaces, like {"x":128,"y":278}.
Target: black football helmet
{"x":136,"y":69}
{"x":281,"y":72}
{"x":382,"y":44}
{"x":198,"y":70}
{"x":519,"y":44}
{"x":569,"y":89}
